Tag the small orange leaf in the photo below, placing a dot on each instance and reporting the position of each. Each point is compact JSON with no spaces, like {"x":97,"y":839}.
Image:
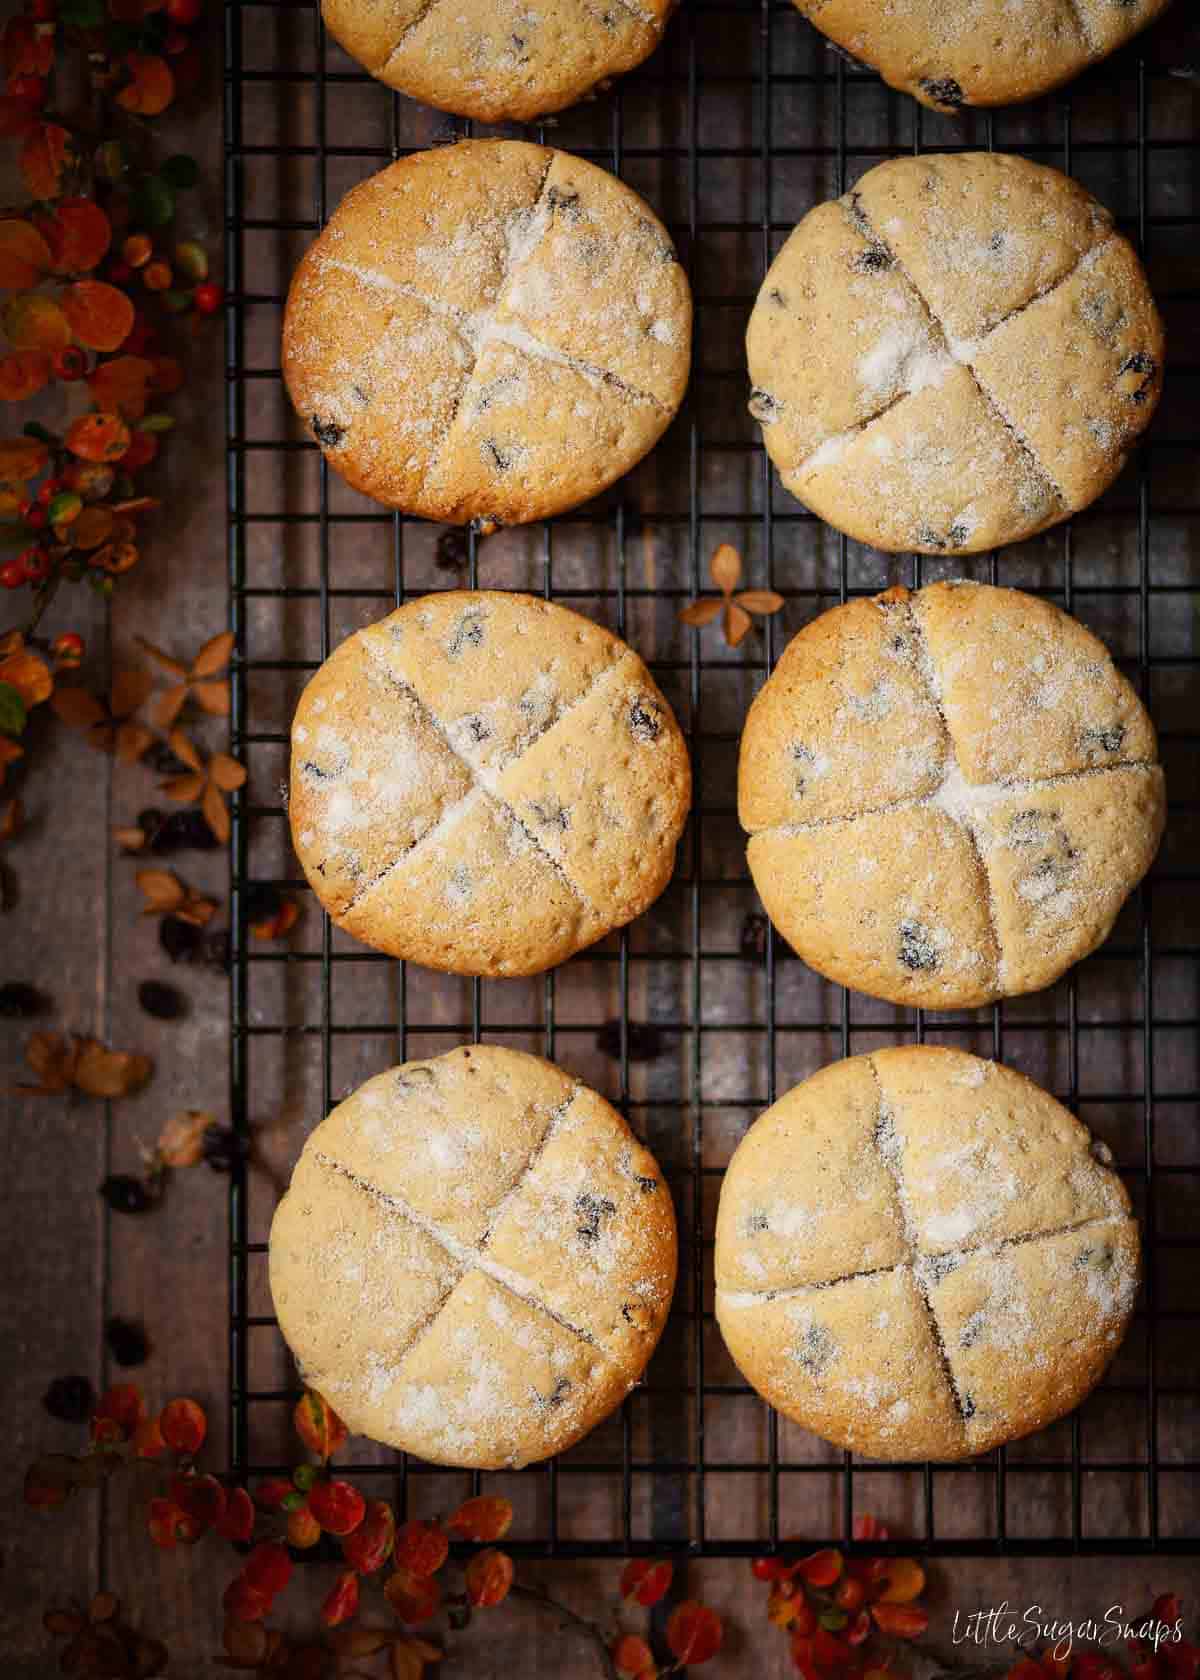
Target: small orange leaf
{"x":341,"y":1602}
{"x":24,"y":255}
{"x":213,"y":697}
{"x":33,"y":321}
{"x":23,"y":374}
{"x":904,"y":1621}
{"x":631,"y":1655}
{"x":98,"y":437}
{"x":43,"y":159}
{"x":820,"y":1569}
{"x":21,"y":459}
{"x":735,"y":622}
{"x":120,"y":386}
{"x":93,"y":527}
{"x":226,"y":772}
{"x":215,"y":813}
{"x":181,"y":1141}
{"x":702,"y":611}
{"x":764,"y":601}
{"x":184,"y":789}
{"x":694,"y":1632}
{"x":644,"y":1581}
{"x":29,"y":675}
{"x":414,"y":1598}
{"x":152,"y":87}
{"x":318,"y":1425}
{"x":101,"y":317}
{"x":489,"y":1576}
{"x":726,"y":568}
{"x":486,"y":1517}
{"x":131,"y":741}
{"x":214,"y":655}
{"x":183,"y":749}
{"x":78,"y":234}
{"x":904,"y":1576}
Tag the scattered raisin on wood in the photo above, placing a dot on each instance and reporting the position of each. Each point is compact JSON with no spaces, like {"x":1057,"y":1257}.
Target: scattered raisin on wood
{"x":123,"y":1193}
{"x":127,"y":1342}
{"x":70,"y":1399}
{"x":160,"y":1000}
{"x":19,"y":1001}
{"x":644,"y":1042}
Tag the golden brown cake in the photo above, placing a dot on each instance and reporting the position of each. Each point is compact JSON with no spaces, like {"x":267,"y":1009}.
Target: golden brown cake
{"x":920,"y":1254}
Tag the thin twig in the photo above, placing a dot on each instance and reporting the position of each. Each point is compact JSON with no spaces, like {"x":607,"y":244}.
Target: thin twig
{"x":534,"y":1595}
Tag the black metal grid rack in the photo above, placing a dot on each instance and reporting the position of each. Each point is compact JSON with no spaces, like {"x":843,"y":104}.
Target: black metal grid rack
{"x":740,"y":122}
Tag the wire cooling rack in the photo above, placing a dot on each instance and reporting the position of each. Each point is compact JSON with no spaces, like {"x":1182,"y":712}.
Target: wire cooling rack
{"x":696,"y":1017}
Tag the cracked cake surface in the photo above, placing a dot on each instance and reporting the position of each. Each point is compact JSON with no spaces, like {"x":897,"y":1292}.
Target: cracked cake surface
{"x":950,"y":794}
{"x":475,"y":1258}
{"x":488,"y":331}
{"x":951,"y":53}
{"x":486,"y":783}
{"x":921,"y":1254}
{"x":955,"y":355}
{"x":497,"y":60}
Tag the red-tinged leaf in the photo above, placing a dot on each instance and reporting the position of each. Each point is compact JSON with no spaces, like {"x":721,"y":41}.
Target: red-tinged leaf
{"x":904,"y":1580}
{"x":318,"y":1425}
{"x":23,"y":374}
{"x":904,"y":1621}
{"x":341,"y":1602}
{"x":414,"y":1598}
{"x":421,"y":1547}
{"x":858,"y":1629}
{"x":24,"y":255}
{"x":119,"y":386}
{"x":484,"y":1518}
{"x":631,"y":1655}
{"x":489,"y":1575}
{"x":151,"y":87}
{"x":78,"y":234}
{"x":269,"y":1496}
{"x":237,"y":1520}
{"x":33,"y":321}
{"x":122,"y":1405}
{"x":697,"y":613}
{"x":170,"y":1527}
{"x":245,"y":1603}
{"x":644,"y":1580}
{"x":43,"y":159}
{"x":201,"y":1497}
{"x":694,"y":1632}
{"x":371,"y":1544}
{"x":183,"y":1425}
{"x":101,"y":317}
{"x":268,"y":1568}
{"x":337,"y":1506}
{"x":98,"y":437}
{"x":820,"y":1569}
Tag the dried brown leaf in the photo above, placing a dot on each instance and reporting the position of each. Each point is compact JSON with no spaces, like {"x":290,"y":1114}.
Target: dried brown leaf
{"x":213,"y":697}
{"x":359,"y":1641}
{"x":130,"y":687}
{"x":214,"y":655}
{"x":77,"y":708}
{"x":181,"y":1141}
{"x":169,"y":705}
{"x":406,"y":1662}
{"x":726,"y":568}
{"x":100,"y":1072}
{"x":52,"y":1057}
{"x":702,"y":611}
{"x":763,"y":601}
{"x":130,"y":839}
{"x":183,"y":749}
{"x":185,"y":790}
{"x":215,"y":813}
{"x":735,"y":622}
{"x":245,"y":1642}
{"x":162,"y":890}
{"x":177,"y":670}
{"x":29,"y":675}
{"x":226,"y":772}
{"x":131,"y":741}
{"x":196,"y":910}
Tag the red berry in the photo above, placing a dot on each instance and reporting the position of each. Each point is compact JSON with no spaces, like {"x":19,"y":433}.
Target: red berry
{"x":48,"y":490}
{"x":767,"y":1569}
{"x":35,"y":565}
{"x":208,"y":298}
{"x":35,"y":518}
{"x":182,"y":13}
{"x":28,"y":90}
{"x":12,"y":574}
{"x":67,"y":646}
{"x":23,"y":507}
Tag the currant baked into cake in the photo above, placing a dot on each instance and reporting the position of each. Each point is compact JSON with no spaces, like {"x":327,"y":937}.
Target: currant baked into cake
{"x":497,"y":60}
{"x":475,"y":1258}
{"x":920,"y":1254}
{"x":950,"y":53}
{"x":957,"y":354}
{"x":950,"y":794}
{"x":485,"y":783}
{"x":489,"y":331}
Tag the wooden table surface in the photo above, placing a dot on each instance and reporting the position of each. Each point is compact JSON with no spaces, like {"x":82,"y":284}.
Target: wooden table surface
{"x":77,"y":934}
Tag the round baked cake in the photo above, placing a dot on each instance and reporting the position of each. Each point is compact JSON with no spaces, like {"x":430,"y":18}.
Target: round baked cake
{"x":950,"y":53}
{"x":486,"y":783}
{"x":489,"y":331}
{"x":950,"y":794}
{"x":475,"y":1258}
{"x":921,"y":1254}
{"x":957,"y":354}
{"x":497,"y":60}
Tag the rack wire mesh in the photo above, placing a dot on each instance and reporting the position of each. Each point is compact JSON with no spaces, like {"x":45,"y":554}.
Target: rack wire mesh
{"x":693,"y":1019}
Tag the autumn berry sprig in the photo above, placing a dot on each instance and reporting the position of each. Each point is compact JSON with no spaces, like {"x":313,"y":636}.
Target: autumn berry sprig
{"x":846,"y":1617}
